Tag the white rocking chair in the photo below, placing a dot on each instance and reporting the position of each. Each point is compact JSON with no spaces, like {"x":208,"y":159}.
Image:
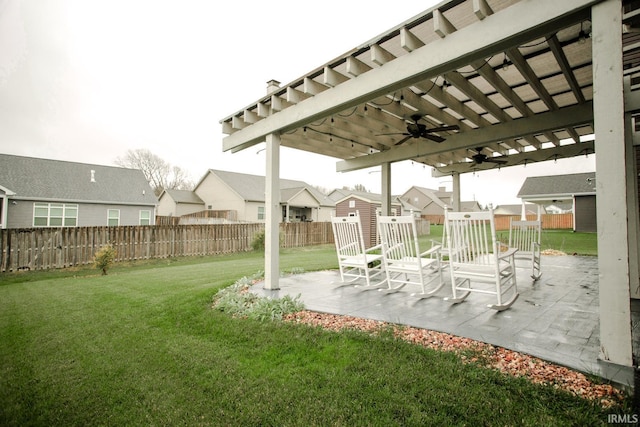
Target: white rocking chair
{"x":403,"y":262}
{"x":478,"y":258}
{"x":525,"y":235}
{"x":355,"y":261}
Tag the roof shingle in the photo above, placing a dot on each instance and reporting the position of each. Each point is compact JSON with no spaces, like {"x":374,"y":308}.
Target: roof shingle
{"x":56,"y":180}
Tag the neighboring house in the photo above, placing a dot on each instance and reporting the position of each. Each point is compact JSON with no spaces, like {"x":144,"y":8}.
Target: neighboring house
{"x":339,"y":194}
{"x":245,"y":195}
{"x":179,"y":202}
{"x":530,"y":209}
{"x":52,"y":193}
{"x":432,"y":203}
{"x":368,"y":206}
{"x":575,"y":190}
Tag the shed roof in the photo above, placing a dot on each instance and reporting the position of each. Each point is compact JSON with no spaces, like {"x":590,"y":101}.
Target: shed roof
{"x":62,"y":181}
{"x":364,"y":195}
{"x":558,"y":186}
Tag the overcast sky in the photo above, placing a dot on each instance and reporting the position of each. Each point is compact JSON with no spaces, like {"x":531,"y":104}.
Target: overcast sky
{"x":87,"y":80}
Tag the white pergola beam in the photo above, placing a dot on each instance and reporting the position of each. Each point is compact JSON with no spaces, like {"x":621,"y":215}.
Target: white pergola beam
{"x":381,"y":56}
{"x":482,"y":9}
{"x":570,"y":116}
{"x":514,"y":25}
{"x":409,"y":41}
{"x":312,"y":87}
{"x":554,"y":153}
{"x":441,"y":25}
{"x":355,"y":67}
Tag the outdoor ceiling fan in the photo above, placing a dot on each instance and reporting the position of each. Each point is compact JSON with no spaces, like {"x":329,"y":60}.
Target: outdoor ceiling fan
{"x":480,"y":158}
{"x":419,"y":130}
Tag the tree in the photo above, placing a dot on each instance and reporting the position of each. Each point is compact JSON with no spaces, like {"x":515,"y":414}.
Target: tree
{"x":357,"y":187}
{"x":160,"y":174}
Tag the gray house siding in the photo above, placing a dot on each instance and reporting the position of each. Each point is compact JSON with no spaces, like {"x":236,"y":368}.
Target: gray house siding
{"x":89,"y":214}
{"x":21,"y":214}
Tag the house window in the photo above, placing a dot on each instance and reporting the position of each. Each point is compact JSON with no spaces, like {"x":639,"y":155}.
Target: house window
{"x":145,"y":218}
{"x":352,"y":203}
{"x":55,"y":215}
{"x":113,"y":217}
{"x":260,"y":212}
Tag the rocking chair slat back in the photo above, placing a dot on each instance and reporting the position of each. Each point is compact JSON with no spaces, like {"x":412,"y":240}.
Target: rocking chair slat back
{"x":355,"y":261}
{"x":526,"y":236}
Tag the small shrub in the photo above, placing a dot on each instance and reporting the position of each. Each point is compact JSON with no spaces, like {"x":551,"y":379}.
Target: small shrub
{"x":104,"y":258}
{"x":259,"y":241}
{"x":238,"y":301}
{"x":297,"y":270}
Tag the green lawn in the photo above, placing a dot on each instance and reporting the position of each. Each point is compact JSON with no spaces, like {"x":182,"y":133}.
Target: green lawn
{"x":142,"y":346}
{"x":562,"y":240}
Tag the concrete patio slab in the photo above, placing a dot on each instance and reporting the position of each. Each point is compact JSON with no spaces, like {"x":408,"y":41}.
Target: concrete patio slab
{"x":555,"y":318}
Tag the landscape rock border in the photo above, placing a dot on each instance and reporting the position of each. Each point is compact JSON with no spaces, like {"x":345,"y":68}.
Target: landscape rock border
{"x":471,"y":351}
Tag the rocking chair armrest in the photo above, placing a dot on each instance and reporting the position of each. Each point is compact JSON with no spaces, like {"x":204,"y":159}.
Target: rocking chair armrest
{"x":503,"y":246}
{"x":509,"y":252}
{"x":348,"y":245}
{"x":433,"y":250}
{"x":373,"y":248}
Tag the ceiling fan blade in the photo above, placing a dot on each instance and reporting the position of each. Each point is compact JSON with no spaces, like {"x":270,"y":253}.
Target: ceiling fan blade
{"x":403,"y":140}
{"x":435,"y":138}
{"x":393,"y":133}
{"x":444,"y":128}
{"x":492,"y":160}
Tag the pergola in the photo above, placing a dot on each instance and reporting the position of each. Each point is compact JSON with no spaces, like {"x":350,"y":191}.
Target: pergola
{"x":523,"y":81}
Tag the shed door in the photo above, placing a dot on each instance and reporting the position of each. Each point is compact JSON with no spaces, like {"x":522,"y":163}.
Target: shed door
{"x":585,"y":213}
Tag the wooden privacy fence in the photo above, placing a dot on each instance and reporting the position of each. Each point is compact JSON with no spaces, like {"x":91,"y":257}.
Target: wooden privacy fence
{"x":45,"y":248}
{"x":549,"y":221}
{"x":297,"y":234}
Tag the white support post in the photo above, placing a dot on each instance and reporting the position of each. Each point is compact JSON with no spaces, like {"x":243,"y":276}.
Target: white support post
{"x":273,"y":214}
{"x":386,"y":188}
{"x":4,"y":211}
{"x":456,"y":191}
{"x":611,"y":184}
{"x":632,"y":201}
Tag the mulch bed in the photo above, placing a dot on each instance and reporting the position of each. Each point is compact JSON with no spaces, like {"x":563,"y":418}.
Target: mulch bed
{"x":471,"y":351}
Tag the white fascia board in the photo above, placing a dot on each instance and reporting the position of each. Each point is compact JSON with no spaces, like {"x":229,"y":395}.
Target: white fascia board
{"x":6,"y":191}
